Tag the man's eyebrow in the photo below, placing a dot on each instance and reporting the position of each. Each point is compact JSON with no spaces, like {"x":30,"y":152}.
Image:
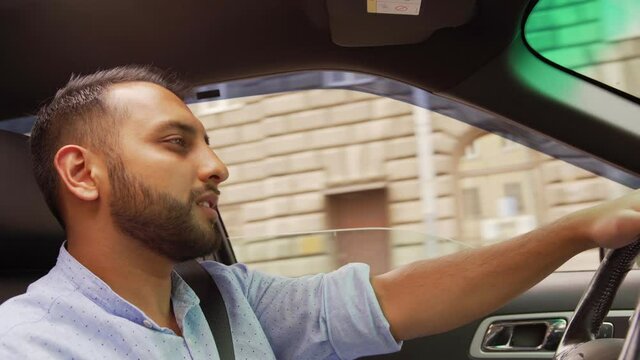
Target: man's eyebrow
{"x":186,"y":128}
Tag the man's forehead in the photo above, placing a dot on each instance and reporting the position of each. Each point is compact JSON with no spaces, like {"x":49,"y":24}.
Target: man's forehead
{"x":149,"y":105}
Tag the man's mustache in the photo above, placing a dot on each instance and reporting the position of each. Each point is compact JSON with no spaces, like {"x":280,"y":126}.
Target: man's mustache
{"x":207,"y":187}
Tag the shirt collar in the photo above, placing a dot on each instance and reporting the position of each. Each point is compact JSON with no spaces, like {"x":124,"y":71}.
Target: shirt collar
{"x":92,"y":287}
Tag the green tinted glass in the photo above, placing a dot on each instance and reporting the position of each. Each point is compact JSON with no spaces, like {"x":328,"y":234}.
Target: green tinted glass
{"x":596,"y":38}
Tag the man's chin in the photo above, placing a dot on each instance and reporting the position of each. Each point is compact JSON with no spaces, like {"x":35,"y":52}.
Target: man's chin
{"x":190,"y":249}
{"x":181,"y":255}
{"x":192,"y":242}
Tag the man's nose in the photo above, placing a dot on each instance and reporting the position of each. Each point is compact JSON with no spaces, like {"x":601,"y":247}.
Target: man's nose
{"x":212,"y":168}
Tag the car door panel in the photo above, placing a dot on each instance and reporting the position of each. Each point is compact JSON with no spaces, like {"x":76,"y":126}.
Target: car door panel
{"x":559,"y":292}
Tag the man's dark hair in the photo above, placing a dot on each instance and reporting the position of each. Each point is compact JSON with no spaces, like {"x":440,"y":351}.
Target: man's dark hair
{"x":78,"y":114}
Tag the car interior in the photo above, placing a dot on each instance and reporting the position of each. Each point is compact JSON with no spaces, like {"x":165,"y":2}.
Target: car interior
{"x":469,"y":51}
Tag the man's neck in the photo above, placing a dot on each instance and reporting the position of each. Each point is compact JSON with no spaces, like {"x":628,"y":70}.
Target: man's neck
{"x":134,"y":272}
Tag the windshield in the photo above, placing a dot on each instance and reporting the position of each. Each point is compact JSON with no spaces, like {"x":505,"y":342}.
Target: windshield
{"x":599,"y":39}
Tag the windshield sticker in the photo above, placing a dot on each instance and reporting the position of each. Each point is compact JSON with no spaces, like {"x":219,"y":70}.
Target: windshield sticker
{"x":395,"y":7}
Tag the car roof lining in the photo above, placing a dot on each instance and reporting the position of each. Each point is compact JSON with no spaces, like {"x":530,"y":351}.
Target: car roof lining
{"x":203,"y":41}
{"x":353,"y":24}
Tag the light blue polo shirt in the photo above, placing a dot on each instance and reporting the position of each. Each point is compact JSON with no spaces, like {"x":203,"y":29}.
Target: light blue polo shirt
{"x":72,"y":314}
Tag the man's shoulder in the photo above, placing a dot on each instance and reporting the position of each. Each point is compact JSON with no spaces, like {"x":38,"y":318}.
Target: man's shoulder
{"x":215,"y":268}
{"x":237,"y":274}
{"x":236,"y":277}
{"x":30,"y":308}
{"x":22,"y":310}
{"x":25,"y":323}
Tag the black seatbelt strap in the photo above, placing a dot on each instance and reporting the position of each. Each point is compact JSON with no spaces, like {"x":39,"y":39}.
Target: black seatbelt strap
{"x":211,"y":303}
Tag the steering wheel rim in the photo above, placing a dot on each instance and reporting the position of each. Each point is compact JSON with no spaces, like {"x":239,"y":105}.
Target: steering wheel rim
{"x":596,"y":301}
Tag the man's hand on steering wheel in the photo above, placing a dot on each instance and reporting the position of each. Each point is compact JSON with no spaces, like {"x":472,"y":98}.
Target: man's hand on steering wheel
{"x":612,"y":224}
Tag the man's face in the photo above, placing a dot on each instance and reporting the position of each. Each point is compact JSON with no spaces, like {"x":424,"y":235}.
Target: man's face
{"x":164,"y":179}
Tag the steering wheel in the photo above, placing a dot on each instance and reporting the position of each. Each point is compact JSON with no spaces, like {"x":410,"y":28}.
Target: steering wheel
{"x":579,"y":340}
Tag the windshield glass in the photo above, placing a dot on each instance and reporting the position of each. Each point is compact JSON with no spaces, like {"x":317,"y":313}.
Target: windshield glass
{"x":599,"y":39}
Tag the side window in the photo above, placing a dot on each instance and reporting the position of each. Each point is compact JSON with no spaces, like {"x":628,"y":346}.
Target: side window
{"x":321,"y":178}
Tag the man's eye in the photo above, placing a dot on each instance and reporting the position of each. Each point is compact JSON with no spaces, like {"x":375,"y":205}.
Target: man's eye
{"x":177,"y":141}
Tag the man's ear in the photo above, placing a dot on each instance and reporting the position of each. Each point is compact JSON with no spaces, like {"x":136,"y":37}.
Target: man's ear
{"x":78,"y":168}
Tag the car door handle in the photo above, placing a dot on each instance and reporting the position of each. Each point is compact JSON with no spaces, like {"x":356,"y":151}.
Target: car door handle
{"x":524,"y":335}
{"x":531,"y":335}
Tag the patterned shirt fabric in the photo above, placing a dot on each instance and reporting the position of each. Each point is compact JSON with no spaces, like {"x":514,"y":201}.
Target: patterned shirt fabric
{"x":72,"y":314}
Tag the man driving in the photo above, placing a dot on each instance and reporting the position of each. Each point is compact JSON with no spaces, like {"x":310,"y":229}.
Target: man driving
{"x":127,"y":169}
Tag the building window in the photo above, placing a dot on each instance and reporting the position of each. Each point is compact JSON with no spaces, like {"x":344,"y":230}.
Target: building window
{"x":470,"y":151}
{"x":471,"y":203}
{"x":514,"y":191}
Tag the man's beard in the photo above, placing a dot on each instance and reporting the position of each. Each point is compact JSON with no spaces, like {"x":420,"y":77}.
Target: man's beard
{"x":159,"y":221}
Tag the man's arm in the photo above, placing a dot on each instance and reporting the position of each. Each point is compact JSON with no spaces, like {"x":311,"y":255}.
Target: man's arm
{"x":434,"y":296}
